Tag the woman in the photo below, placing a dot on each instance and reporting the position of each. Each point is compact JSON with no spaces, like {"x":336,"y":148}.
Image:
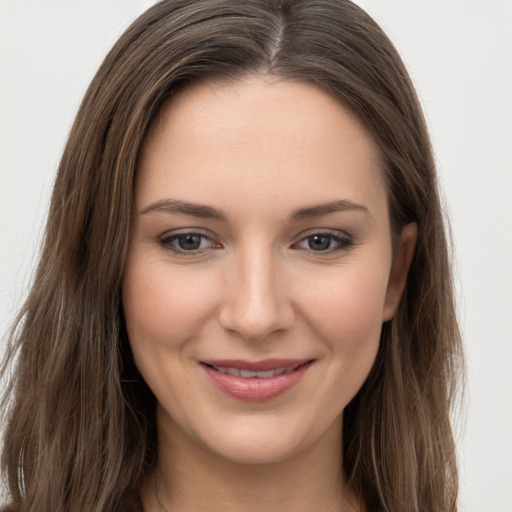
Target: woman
{"x":244,"y":298}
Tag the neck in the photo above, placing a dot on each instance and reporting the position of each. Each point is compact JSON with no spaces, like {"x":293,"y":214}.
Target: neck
{"x":191,"y":478}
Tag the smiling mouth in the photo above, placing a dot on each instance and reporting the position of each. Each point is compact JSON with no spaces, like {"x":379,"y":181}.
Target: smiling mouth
{"x":255,"y":381}
{"x":247,"y":374}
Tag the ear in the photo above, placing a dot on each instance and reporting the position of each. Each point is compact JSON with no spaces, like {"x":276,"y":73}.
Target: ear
{"x":399,"y":269}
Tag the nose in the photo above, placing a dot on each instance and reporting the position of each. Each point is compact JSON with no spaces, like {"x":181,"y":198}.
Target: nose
{"x":256,"y":302}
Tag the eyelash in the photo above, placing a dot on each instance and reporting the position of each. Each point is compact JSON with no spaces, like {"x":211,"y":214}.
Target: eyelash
{"x":342,"y":243}
{"x":166,"y":242}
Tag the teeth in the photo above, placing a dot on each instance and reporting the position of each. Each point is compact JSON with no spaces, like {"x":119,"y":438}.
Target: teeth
{"x":246,"y":374}
{"x":263,"y":375}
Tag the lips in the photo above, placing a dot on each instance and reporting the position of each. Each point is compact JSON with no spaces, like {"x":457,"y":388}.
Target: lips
{"x":255,"y":381}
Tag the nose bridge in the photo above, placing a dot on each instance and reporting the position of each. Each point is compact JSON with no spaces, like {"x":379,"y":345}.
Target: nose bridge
{"x":255,"y":305}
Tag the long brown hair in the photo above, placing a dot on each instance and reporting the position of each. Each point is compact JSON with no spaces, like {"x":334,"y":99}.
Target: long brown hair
{"x":80,"y":423}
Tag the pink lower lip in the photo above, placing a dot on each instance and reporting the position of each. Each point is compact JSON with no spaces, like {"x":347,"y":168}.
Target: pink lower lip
{"x":255,"y":389}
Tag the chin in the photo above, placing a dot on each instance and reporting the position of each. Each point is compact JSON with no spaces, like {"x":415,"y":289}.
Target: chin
{"x":250,"y":451}
{"x":256,"y":441}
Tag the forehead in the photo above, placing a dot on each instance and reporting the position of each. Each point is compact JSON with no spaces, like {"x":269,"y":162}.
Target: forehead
{"x":260,"y":138}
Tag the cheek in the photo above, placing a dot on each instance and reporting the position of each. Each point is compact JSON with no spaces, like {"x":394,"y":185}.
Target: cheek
{"x":345,"y":312}
{"x":348,"y":300}
{"x":164,"y":307}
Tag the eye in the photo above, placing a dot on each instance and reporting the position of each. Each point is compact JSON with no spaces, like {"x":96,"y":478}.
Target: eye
{"x":324,"y":242}
{"x":188,"y":242}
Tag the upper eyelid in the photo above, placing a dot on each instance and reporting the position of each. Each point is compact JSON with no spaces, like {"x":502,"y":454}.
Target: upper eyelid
{"x":186,"y":231}
{"x":324,"y":231}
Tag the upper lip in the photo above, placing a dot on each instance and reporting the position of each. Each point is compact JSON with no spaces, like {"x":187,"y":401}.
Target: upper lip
{"x":255,"y":366}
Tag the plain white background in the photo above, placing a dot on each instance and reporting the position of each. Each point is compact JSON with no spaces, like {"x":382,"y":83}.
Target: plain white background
{"x":459,"y":53}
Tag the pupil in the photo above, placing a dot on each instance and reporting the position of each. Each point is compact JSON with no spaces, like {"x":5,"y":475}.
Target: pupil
{"x":319,"y":243}
{"x":189,"y":242}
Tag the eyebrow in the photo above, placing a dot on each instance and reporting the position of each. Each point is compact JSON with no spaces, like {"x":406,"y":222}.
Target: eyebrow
{"x":340,"y":205}
{"x":184,"y":208}
{"x":174,"y":206}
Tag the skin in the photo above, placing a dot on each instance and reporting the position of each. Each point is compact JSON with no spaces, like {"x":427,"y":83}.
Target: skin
{"x":257,"y":151}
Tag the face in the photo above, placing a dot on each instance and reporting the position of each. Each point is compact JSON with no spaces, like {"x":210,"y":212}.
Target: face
{"x":261,"y":267}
